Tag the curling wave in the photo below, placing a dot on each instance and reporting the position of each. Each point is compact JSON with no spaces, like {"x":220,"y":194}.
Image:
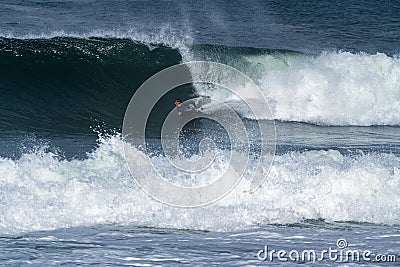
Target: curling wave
{"x":67,"y":84}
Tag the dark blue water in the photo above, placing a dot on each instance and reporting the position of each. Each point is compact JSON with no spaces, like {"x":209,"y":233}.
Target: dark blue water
{"x":329,"y":70}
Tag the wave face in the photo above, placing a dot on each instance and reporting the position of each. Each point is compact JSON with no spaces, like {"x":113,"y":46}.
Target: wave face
{"x":332,"y":88}
{"x":66,"y":84}
{"x":42,"y":192}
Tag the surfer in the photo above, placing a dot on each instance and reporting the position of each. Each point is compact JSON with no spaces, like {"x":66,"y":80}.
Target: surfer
{"x":187,"y":106}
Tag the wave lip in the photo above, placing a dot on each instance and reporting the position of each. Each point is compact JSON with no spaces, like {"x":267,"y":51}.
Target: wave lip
{"x":165,"y":36}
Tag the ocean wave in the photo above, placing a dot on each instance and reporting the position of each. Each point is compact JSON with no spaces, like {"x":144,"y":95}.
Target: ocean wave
{"x":40,"y":191}
{"x":64,"y":84}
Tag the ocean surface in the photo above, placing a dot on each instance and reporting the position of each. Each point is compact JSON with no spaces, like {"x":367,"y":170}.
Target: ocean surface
{"x":330,"y":71}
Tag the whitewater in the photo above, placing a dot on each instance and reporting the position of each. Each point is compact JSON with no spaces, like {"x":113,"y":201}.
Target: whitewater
{"x":40,"y":191}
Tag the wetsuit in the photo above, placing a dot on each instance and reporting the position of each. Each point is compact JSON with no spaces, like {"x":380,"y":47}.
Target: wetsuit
{"x":188,"y":106}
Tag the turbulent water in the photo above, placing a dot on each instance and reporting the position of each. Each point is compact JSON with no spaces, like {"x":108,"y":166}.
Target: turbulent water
{"x":67,"y":76}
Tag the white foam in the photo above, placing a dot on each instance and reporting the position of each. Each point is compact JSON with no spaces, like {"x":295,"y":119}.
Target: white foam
{"x":40,"y":192}
{"x":335,"y":88}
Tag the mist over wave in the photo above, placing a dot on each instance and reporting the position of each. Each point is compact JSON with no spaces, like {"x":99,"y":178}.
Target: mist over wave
{"x":40,"y":191}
